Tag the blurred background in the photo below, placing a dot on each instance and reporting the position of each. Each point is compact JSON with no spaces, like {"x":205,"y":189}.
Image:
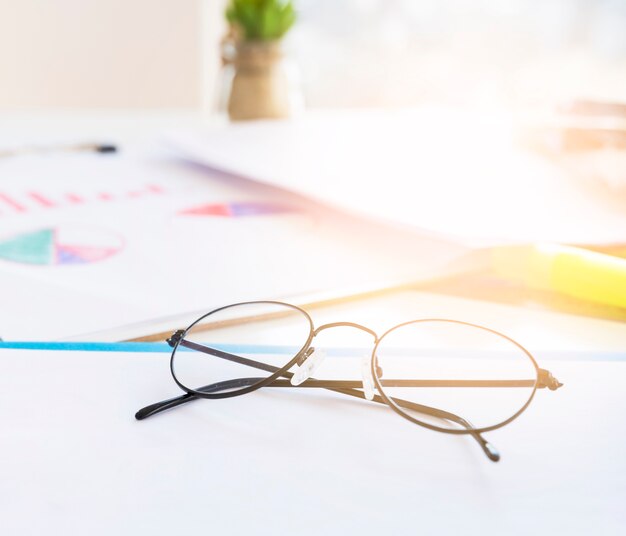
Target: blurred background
{"x":147,"y":54}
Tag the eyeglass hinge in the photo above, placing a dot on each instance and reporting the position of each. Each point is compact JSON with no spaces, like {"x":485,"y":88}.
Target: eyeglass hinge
{"x":175,"y":338}
{"x":547,"y":380}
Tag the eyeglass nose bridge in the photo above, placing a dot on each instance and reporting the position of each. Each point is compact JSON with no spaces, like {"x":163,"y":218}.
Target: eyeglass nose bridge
{"x":379,"y":370}
{"x":346,"y":325}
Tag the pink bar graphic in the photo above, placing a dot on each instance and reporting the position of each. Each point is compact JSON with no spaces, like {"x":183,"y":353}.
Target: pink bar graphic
{"x":43,"y":201}
{"x":74,"y":199}
{"x":12,"y":203}
{"x":155,"y":188}
{"x":149,"y":189}
{"x":23,"y":203}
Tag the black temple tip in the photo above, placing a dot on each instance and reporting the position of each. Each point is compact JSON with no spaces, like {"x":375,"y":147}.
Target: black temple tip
{"x":143,"y":413}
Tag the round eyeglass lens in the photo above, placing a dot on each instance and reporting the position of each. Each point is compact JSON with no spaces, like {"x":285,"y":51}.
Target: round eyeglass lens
{"x":235,"y":347}
{"x":451,"y":375}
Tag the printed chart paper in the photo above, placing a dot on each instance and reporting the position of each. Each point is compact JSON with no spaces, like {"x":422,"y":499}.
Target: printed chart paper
{"x":159,"y":237}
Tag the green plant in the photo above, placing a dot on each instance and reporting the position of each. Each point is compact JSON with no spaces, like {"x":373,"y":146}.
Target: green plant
{"x":261,"y":20}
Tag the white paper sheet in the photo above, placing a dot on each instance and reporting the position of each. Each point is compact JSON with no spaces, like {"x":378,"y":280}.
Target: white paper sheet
{"x":38,"y":310}
{"x":74,"y":460}
{"x":439,"y":171}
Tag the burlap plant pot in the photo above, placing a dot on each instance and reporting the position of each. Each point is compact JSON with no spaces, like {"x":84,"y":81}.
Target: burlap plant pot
{"x":260,"y":86}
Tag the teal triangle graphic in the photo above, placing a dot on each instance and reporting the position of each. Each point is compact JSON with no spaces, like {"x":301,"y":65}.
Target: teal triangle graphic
{"x":29,"y":248}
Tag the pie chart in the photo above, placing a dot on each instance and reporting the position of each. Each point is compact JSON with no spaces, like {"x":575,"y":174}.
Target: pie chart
{"x":60,"y":246}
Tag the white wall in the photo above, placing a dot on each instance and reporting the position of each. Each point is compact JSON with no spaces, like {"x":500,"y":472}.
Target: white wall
{"x":107,"y":53}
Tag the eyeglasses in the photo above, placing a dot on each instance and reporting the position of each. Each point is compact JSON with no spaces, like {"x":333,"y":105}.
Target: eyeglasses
{"x":445,"y":375}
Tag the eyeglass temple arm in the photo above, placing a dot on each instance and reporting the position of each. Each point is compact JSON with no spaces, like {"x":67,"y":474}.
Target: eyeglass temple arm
{"x":335,"y":385}
{"x":330,"y":384}
{"x":490,"y":451}
{"x":545,"y":377}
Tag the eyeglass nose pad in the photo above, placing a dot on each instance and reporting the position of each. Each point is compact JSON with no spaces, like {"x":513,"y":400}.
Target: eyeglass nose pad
{"x":366,"y":376}
{"x":304,"y":371}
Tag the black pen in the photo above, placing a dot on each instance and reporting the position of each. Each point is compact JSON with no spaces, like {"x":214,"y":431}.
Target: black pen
{"x":79,"y":147}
